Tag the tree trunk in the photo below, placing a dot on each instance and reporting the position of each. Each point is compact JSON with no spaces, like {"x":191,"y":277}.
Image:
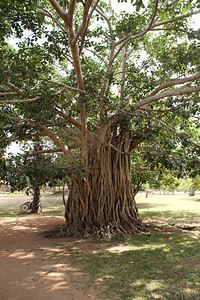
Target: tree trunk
{"x":102,"y":203}
{"x":36,"y":200}
{"x":192,"y":191}
{"x":36,"y":192}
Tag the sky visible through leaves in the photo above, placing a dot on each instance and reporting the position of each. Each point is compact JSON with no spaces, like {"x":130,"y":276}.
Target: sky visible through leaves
{"x":117,"y":7}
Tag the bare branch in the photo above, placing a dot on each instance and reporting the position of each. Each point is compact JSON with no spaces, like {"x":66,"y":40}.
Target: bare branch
{"x":123,"y":73}
{"x":74,"y":145}
{"x":69,"y":119}
{"x":67,"y":86}
{"x":96,"y":54}
{"x":86,"y":27}
{"x":175,"y":82}
{"x":13,"y":87}
{"x":70,"y":14}
{"x":71,"y":131}
{"x":56,"y":150}
{"x":171,"y":28}
{"x":49,"y":14}
{"x":175,"y":19}
{"x":59,"y":10}
{"x":44,"y":152}
{"x":62,"y":166}
{"x":102,"y":13}
{"x":54,"y":137}
{"x":176,"y":92}
{"x":87,"y":6}
{"x":8,"y":94}
{"x":16,"y":101}
{"x":154,"y":15}
{"x":156,"y":110}
{"x":79,"y":75}
{"x":68,"y":136}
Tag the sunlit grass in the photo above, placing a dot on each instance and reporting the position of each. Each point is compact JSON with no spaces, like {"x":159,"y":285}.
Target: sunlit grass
{"x":169,"y":202}
{"x":158,"y":266}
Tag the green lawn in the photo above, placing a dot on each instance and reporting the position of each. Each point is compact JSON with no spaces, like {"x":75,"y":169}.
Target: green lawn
{"x":159,"y":265}
{"x":168,"y":206}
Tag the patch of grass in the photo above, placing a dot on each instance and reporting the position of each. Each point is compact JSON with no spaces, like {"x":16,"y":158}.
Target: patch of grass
{"x":52,"y":232}
{"x":169,"y":214}
{"x":168,"y":208}
{"x":162,"y":265}
{"x":159,"y":266}
{"x":52,"y":205}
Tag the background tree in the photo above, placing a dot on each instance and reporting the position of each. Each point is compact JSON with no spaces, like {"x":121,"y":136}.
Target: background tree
{"x":101,"y":87}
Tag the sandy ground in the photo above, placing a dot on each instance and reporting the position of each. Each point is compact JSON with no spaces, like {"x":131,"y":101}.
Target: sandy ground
{"x":29,"y":266}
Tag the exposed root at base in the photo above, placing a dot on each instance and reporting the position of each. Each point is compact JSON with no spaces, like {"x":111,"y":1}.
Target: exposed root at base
{"x":103,"y":231}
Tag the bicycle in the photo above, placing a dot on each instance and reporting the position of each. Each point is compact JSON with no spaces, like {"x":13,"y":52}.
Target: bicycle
{"x":28,"y":206}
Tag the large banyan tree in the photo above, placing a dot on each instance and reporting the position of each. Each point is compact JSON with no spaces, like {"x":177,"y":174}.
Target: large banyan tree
{"x":109,"y":88}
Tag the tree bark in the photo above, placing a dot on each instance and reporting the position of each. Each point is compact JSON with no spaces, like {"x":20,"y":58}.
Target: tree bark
{"x":35,"y":208}
{"x":192,"y":191}
{"x":103,"y":203}
{"x":36,"y":200}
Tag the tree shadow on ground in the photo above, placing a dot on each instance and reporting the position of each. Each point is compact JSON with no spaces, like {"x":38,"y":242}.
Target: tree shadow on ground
{"x":31,"y":267}
{"x":155,"y":266}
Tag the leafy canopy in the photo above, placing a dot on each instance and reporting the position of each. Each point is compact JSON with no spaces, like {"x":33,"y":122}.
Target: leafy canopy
{"x":79,"y":69}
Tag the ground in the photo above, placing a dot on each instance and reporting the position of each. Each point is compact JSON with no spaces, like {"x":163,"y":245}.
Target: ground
{"x":30,"y":268}
{"x":37,"y":265}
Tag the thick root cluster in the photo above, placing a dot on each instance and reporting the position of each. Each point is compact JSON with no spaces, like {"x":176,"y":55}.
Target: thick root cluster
{"x":103,"y":230}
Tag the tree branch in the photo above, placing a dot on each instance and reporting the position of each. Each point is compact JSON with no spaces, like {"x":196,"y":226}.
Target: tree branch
{"x":71,"y":14}
{"x":175,"y":82}
{"x":13,"y":87}
{"x":81,"y":28}
{"x":176,"y":92}
{"x":146,"y":172}
{"x":178,"y":134}
{"x":44,"y":152}
{"x":16,"y":101}
{"x":56,"y":150}
{"x":68,"y":87}
{"x":138,"y":35}
{"x":3,"y":94}
{"x":86,"y":27}
{"x":54,"y":137}
{"x":175,"y":19}
{"x":49,"y":14}
{"x":69,"y":119}
{"x":102,"y":13}
{"x":71,"y":131}
{"x":59,"y":10}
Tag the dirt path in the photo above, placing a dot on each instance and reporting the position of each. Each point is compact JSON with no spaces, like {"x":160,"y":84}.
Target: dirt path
{"x":29,"y":268}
